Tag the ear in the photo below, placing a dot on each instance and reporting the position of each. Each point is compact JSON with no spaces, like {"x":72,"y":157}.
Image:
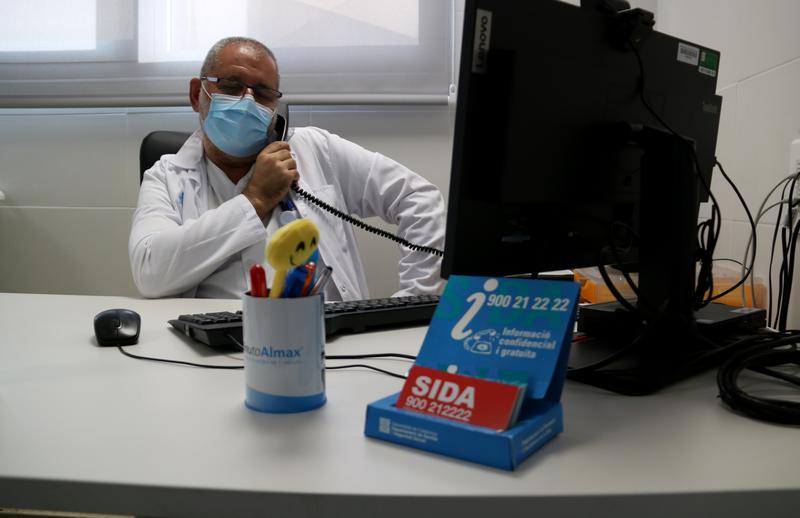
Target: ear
{"x":194,"y":93}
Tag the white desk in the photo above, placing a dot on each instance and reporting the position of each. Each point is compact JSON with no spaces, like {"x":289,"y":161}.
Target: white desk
{"x":84,"y":428}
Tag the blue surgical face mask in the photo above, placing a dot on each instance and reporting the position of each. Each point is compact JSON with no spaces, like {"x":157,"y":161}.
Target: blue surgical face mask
{"x":238,"y":126}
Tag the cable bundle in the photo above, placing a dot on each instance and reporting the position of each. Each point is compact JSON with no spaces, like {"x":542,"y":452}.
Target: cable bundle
{"x":789,"y":226}
{"x":763,"y":354}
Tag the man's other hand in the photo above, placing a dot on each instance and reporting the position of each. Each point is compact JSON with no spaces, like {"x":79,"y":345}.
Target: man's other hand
{"x":273,"y":173}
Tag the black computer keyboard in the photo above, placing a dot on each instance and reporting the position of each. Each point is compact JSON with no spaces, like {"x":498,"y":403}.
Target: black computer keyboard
{"x":216,"y":329}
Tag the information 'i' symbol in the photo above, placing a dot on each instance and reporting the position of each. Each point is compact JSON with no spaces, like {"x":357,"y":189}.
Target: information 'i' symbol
{"x":477,"y":299}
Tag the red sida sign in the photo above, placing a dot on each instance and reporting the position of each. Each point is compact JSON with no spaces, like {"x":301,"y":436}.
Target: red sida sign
{"x":469,"y":400}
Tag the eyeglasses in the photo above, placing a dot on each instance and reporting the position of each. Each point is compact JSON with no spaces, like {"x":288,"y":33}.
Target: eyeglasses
{"x":232,"y":86}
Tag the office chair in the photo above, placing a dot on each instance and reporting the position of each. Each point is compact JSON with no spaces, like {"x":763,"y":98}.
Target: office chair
{"x":159,"y":143}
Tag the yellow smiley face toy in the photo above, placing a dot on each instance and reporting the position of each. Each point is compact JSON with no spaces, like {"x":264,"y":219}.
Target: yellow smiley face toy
{"x":292,"y":245}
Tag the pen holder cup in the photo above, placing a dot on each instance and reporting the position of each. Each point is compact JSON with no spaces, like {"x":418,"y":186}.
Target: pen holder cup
{"x":284,"y":353}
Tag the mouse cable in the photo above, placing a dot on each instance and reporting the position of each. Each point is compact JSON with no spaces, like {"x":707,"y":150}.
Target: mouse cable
{"x":346,"y":356}
{"x":237,"y":367}
{"x":355,"y":365}
{"x":356,"y":357}
{"x":240,"y":367}
{"x":773,"y":350}
{"x":366,"y":356}
{"x":178,"y":362}
{"x":362,"y":225}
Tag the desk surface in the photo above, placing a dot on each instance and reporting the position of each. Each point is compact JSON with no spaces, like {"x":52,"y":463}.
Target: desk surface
{"x":85,"y":428}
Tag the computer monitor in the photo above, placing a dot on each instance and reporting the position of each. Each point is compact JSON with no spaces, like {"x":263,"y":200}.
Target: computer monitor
{"x":557,"y":162}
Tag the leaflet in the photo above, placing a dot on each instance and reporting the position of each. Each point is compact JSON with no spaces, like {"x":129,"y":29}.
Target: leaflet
{"x":508,"y":330}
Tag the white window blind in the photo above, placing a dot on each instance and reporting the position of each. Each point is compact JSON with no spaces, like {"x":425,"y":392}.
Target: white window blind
{"x":143,"y":53}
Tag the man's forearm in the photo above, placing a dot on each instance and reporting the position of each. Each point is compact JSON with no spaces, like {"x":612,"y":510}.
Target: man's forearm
{"x":169,"y":259}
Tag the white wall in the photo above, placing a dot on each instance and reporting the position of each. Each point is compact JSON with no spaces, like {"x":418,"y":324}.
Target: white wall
{"x":71,"y":180}
{"x":760,"y":84}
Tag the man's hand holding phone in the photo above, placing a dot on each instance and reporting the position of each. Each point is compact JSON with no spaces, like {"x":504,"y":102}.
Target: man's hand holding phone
{"x":273,"y":173}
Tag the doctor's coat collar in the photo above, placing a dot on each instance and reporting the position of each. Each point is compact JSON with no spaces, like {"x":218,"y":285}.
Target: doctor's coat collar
{"x":190,"y":155}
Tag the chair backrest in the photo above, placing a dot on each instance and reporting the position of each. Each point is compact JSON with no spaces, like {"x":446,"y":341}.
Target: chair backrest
{"x":156,"y":144}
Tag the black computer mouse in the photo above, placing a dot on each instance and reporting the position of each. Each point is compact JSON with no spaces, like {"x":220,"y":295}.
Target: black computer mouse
{"x":117,"y":327}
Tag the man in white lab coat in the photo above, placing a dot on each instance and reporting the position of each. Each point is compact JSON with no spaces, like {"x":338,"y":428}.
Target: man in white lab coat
{"x":205,"y":214}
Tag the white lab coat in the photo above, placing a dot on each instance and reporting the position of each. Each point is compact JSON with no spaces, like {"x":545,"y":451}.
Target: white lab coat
{"x":177,"y":243}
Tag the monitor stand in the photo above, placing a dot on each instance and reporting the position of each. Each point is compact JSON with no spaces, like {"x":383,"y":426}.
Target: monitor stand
{"x":659,"y":339}
{"x":640,"y":360}
{"x":715,"y":319}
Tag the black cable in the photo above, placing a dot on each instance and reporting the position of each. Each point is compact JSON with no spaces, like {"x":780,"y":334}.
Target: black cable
{"x":346,"y":356}
{"x":601,"y":267}
{"x":781,"y":349}
{"x":594,"y":366}
{"x":337,"y":357}
{"x":615,"y":254}
{"x":753,"y":228}
{"x":787,"y":290}
{"x":788,"y":378}
{"x":388,"y":373}
{"x":707,"y":235}
{"x":178,"y":362}
{"x":703,"y":283}
{"x":362,"y":225}
{"x":772,"y":322}
{"x":366,"y":356}
{"x":729,"y":259}
{"x":789,"y":244}
{"x":705,"y":280}
{"x":782,"y":273}
{"x":614,"y":291}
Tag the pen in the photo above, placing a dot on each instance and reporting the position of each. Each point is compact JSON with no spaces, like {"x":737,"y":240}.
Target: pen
{"x":311,"y":267}
{"x":286,"y":204}
{"x":295,"y":280}
{"x":323,"y":279}
{"x":288,"y":212}
{"x":258,"y":281}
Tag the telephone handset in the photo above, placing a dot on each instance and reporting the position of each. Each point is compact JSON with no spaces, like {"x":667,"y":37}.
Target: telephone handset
{"x":281,"y":130}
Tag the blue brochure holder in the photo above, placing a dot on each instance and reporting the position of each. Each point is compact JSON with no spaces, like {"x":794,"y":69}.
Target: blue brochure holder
{"x":510,"y":330}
